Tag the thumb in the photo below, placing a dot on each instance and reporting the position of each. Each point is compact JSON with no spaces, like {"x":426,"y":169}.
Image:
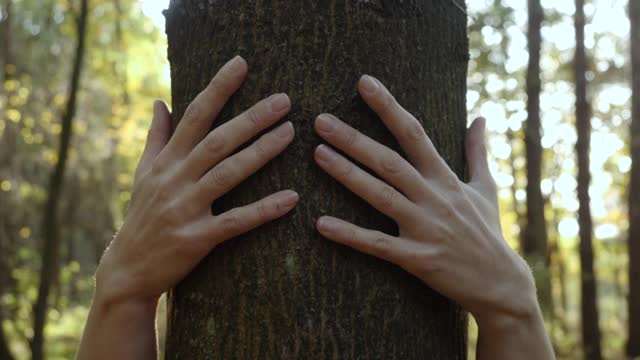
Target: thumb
{"x":477,"y":154}
{"x":157,"y":138}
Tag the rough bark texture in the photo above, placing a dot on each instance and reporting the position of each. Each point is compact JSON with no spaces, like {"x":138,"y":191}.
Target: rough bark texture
{"x":50,"y":229}
{"x":283,"y":291}
{"x":534,"y":245}
{"x":633,"y":342}
{"x":589,"y":308}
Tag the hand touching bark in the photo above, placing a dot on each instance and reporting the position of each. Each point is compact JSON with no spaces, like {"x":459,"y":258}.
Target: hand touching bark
{"x":170,"y":220}
{"x":450,"y":235}
{"x":169,"y":227}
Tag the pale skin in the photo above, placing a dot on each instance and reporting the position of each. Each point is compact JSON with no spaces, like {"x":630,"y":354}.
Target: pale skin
{"x":450,"y":235}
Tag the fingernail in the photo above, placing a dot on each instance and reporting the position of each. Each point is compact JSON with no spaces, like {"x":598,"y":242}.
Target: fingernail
{"x":289,"y":199}
{"x":326,"y":224}
{"x":325,"y":153}
{"x":279,"y":103}
{"x":369,"y":85}
{"x":234,"y":64}
{"x":325,"y":123}
{"x":284,"y":130}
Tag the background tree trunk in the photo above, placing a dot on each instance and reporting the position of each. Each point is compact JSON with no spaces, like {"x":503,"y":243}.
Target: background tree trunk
{"x":589,"y":308}
{"x":6,"y":49}
{"x":5,"y":352}
{"x":50,"y":226}
{"x":534,"y":247}
{"x":284,"y":291}
{"x":633,"y":342}
{"x":5,"y":270}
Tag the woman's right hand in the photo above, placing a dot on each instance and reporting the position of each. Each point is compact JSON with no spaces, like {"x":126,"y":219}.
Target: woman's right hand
{"x":450,"y":235}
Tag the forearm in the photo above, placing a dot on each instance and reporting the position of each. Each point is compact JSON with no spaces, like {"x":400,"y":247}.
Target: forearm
{"x":514,"y":338}
{"x":123,"y":330}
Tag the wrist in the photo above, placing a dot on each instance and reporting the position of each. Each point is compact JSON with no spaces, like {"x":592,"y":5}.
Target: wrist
{"x":108,"y":305}
{"x":509,"y":323}
{"x":519,"y":309}
{"x":114,"y":289}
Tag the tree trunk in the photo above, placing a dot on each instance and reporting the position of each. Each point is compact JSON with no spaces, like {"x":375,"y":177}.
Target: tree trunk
{"x":50,"y":229}
{"x":520,"y":219}
{"x":283,"y":291}
{"x":535,"y":239}
{"x":589,"y":308}
{"x":560,"y":267}
{"x":6,"y":48}
{"x":633,"y":342}
{"x":5,"y":352}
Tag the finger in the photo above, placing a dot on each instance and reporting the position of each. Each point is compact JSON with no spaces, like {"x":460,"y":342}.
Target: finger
{"x":477,"y":156}
{"x":230,"y":172}
{"x":406,"y":128}
{"x":385,"y":162}
{"x":380,"y":195}
{"x":222,"y":141}
{"x":207,"y":105}
{"x":157,"y":138}
{"x":243,"y":219}
{"x":372,"y":242}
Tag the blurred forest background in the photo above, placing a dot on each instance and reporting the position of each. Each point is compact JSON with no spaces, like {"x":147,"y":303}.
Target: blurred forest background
{"x":77,"y":83}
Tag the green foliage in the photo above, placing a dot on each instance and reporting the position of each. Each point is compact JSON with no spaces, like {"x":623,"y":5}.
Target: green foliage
{"x":116,"y":96}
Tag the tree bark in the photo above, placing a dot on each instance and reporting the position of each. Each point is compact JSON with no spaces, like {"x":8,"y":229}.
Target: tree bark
{"x":283,"y":291}
{"x":633,"y":342}
{"x":50,"y":227}
{"x":6,"y":48}
{"x":589,"y":307}
{"x":520,"y":219}
{"x":535,"y":237}
{"x":5,"y":352}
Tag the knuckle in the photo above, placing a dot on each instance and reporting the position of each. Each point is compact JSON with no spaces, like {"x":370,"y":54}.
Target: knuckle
{"x":172,"y":215}
{"x":427,"y":261}
{"x":192,"y":114}
{"x":214,"y":143}
{"x":264,"y":210}
{"x":415,"y":132}
{"x":441,"y":233}
{"x":164,"y":190}
{"x":221,"y":175}
{"x":387,"y":197}
{"x":352,"y":136}
{"x":231,"y":223}
{"x":254,"y":117}
{"x":217,"y":85}
{"x":346,"y":171}
{"x":352,"y":235}
{"x":387,"y":101}
{"x":451,"y":182}
{"x":381,"y":243}
{"x":157,"y":167}
{"x":392,"y":163}
{"x":260,"y":149}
